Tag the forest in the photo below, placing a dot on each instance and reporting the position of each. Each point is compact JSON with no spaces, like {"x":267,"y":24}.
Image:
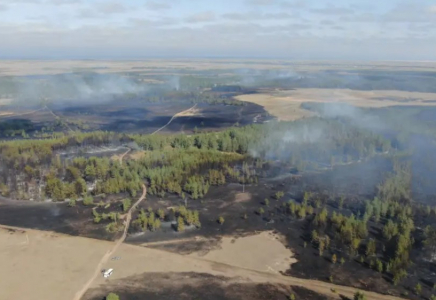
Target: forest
{"x":178,"y":163}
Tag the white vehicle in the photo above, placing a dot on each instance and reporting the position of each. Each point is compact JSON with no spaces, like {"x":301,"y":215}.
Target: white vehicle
{"x":108,"y":273}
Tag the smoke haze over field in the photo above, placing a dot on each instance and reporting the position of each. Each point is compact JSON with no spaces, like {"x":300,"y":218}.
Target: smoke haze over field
{"x":88,"y":88}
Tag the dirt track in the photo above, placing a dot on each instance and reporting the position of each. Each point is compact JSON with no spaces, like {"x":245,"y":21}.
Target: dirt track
{"x":175,"y":116}
{"x":123,"y":155}
{"x":108,"y":254}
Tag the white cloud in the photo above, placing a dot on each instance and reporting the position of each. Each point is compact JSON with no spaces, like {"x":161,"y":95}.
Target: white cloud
{"x":297,"y":28}
{"x":203,"y":17}
{"x":111,"y":7}
{"x":261,"y":2}
{"x":63,"y":2}
{"x":252,"y":16}
{"x":155,"y":5}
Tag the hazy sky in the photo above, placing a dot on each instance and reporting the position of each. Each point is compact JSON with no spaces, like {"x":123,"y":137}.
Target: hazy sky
{"x":295,"y":29}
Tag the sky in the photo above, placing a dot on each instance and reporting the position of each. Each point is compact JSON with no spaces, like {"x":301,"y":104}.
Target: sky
{"x":285,"y":29}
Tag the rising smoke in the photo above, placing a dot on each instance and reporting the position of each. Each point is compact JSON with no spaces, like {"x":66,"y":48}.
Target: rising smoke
{"x":82,"y":88}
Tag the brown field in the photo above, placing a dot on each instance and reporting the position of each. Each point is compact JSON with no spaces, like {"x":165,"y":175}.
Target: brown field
{"x":285,"y":104}
{"x":45,"y":265}
{"x":31,"y":67}
{"x":266,"y":253}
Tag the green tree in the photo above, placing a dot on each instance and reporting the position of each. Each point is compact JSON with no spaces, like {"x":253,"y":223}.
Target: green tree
{"x":278,"y":195}
{"x":321,"y":247}
{"x":72,"y":203}
{"x":157,"y":224}
{"x":266,"y":202}
{"x":221,"y":220}
{"x":88,"y":200}
{"x":161,"y":213}
{"x":112,"y":296}
{"x":261,"y":211}
{"x":390,"y":230}
{"x":314,"y":236}
{"x":127,"y":203}
{"x":370,"y":248}
{"x":334,"y":258}
{"x":418,"y":289}
{"x":291,"y":297}
{"x":342,"y":260}
{"x":180,"y":224}
{"x":359,"y":296}
{"x":379,"y":266}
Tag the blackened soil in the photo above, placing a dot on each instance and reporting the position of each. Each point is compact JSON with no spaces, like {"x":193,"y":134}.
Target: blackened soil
{"x":140,"y":117}
{"x":216,"y":117}
{"x":194,"y":286}
{"x":241,"y":218}
{"x":57,"y":217}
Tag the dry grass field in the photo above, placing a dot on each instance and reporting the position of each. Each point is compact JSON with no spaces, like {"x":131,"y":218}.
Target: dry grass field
{"x":285,"y":104}
{"x":52,"y":266}
{"x":45,"y":67}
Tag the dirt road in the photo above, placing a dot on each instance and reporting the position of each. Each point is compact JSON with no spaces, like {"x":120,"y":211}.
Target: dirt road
{"x":108,"y":254}
{"x":123,"y":155}
{"x":175,"y":116}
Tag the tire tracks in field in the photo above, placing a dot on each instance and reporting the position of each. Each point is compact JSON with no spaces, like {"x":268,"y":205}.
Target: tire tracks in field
{"x":23,"y":114}
{"x":175,"y":116}
{"x":109,"y":253}
{"x":57,"y":117}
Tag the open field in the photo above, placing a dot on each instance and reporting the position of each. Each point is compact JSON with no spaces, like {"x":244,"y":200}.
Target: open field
{"x":286,"y":104}
{"x":155,"y":66}
{"x":266,"y":253}
{"x":55,"y":266}
{"x":45,"y":265}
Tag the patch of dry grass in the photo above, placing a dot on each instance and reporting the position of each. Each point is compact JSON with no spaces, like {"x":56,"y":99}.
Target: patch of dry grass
{"x":31,"y":67}
{"x":286,"y":104}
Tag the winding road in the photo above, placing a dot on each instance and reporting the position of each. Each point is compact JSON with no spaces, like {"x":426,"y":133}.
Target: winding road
{"x":123,"y":155}
{"x":115,"y":247}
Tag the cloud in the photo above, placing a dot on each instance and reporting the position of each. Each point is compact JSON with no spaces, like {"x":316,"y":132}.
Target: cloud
{"x":111,"y":8}
{"x":332,"y":10}
{"x":63,"y":2}
{"x":256,"y":16}
{"x":19,"y":1}
{"x":203,"y":17}
{"x":409,"y":13}
{"x":162,"y":22}
{"x":155,"y":5}
{"x":432,"y":9}
{"x":3,"y":7}
{"x":266,"y":28}
{"x":101,"y":10}
{"x":262,"y":2}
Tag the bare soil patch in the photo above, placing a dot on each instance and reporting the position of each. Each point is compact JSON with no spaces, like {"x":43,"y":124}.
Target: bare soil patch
{"x":286,"y":104}
{"x":136,"y":155}
{"x":262,"y":252}
{"x":242,"y":197}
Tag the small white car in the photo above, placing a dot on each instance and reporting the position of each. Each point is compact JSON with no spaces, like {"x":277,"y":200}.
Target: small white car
{"x":108,"y":273}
